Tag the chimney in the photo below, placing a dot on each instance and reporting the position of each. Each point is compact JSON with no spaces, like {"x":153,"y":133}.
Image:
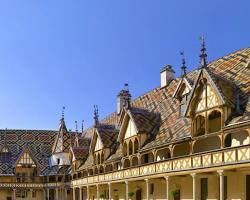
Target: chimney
{"x":123,"y":99}
{"x":167,"y":75}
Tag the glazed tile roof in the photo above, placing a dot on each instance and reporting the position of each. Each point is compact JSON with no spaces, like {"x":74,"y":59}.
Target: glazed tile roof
{"x":39,"y":143}
{"x":227,"y":72}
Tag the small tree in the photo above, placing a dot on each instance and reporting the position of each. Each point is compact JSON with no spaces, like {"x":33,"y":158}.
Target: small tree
{"x":131,"y":194}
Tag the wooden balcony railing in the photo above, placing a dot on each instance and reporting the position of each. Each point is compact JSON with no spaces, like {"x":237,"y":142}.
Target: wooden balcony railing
{"x":220,"y":157}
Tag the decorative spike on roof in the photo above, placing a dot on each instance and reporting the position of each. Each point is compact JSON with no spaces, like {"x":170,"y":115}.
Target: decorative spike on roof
{"x":183,"y":67}
{"x":82,"y":126}
{"x":96,"y":115}
{"x":203,"y":55}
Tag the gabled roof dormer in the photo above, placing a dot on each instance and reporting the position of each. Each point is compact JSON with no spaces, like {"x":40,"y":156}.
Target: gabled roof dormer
{"x":26,"y":159}
{"x":4,"y":149}
{"x":206,"y":94}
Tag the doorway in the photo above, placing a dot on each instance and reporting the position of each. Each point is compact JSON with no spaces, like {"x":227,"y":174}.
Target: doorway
{"x":247,"y":187}
{"x":138,"y":194}
{"x":204,"y":189}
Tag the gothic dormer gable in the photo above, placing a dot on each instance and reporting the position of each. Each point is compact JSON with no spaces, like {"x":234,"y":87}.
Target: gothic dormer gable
{"x":98,"y":144}
{"x":128,"y":128}
{"x":204,"y":95}
{"x":183,"y":88}
{"x":26,"y":159}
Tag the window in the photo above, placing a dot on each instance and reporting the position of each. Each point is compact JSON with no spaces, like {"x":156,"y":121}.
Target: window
{"x":183,"y":105}
{"x":58,"y":161}
{"x":21,"y":193}
{"x":33,"y":194}
{"x":199,"y":125}
{"x":152,"y":188}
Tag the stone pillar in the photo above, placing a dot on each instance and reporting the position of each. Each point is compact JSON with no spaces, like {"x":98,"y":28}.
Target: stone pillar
{"x":57,"y":194}
{"x":48,"y":193}
{"x":110,"y":191}
{"x":167,"y":186}
{"x":44,"y":194}
{"x":126,"y":184}
{"x":221,"y":174}
{"x":97,"y":192}
{"x":65,"y":194}
{"x":74,"y":194}
{"x":147,"y":189}
{"x":80,"y":193}
{"x":194,"y":185}
{"x":88,"y":193}
{"x":14,"y":194}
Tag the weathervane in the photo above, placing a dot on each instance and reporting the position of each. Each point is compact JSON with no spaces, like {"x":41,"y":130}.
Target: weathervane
{"x":183,"y":67}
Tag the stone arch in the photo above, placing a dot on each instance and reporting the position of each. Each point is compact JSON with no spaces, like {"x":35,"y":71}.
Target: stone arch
{"x":109,"y":168}
{"x":126,"y":163}
{"x":101,"y":169}
{"x":135,"y":161}
{"x":199,"y":125}
{"x":236,"y":139}
{"x":163,"y":154}
{"x":147,"y":158}
{"x":136,"y":145}
{"x":214,"y":121}
{"x":181,"y":149}
{"x":207,"y":144}
{"x":130,"y":148}
{"x":125,"y":149}
{"x":102,"y":157}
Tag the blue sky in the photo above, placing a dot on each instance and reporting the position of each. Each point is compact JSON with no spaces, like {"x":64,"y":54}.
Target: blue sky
{"x":80,"y":53}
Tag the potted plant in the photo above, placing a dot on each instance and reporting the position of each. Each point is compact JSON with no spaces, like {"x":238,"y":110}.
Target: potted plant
{"x":102,"y":195}
{"x":131,"y":194}
{"x":175,"y":194}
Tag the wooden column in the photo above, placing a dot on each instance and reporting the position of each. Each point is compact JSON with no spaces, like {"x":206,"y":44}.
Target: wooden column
{"x":167,"y":186}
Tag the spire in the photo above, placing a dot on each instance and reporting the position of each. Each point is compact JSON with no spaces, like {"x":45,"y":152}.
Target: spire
{"x":63,"y":109}
{"x":183,"y":67}
{"x":82,"y":126}
{"x":76,"y":144}
{"x":76,"y":124}
{"x":203,"y":55}
{"x":62,"y":122}
{"x":96,"y":115}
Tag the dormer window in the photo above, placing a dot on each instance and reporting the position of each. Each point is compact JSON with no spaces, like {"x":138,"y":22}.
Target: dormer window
{"x":183,"y":105}
{"x":181,"y":94}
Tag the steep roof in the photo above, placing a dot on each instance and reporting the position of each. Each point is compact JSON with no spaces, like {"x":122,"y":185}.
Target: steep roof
{"x":227,"y":72}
